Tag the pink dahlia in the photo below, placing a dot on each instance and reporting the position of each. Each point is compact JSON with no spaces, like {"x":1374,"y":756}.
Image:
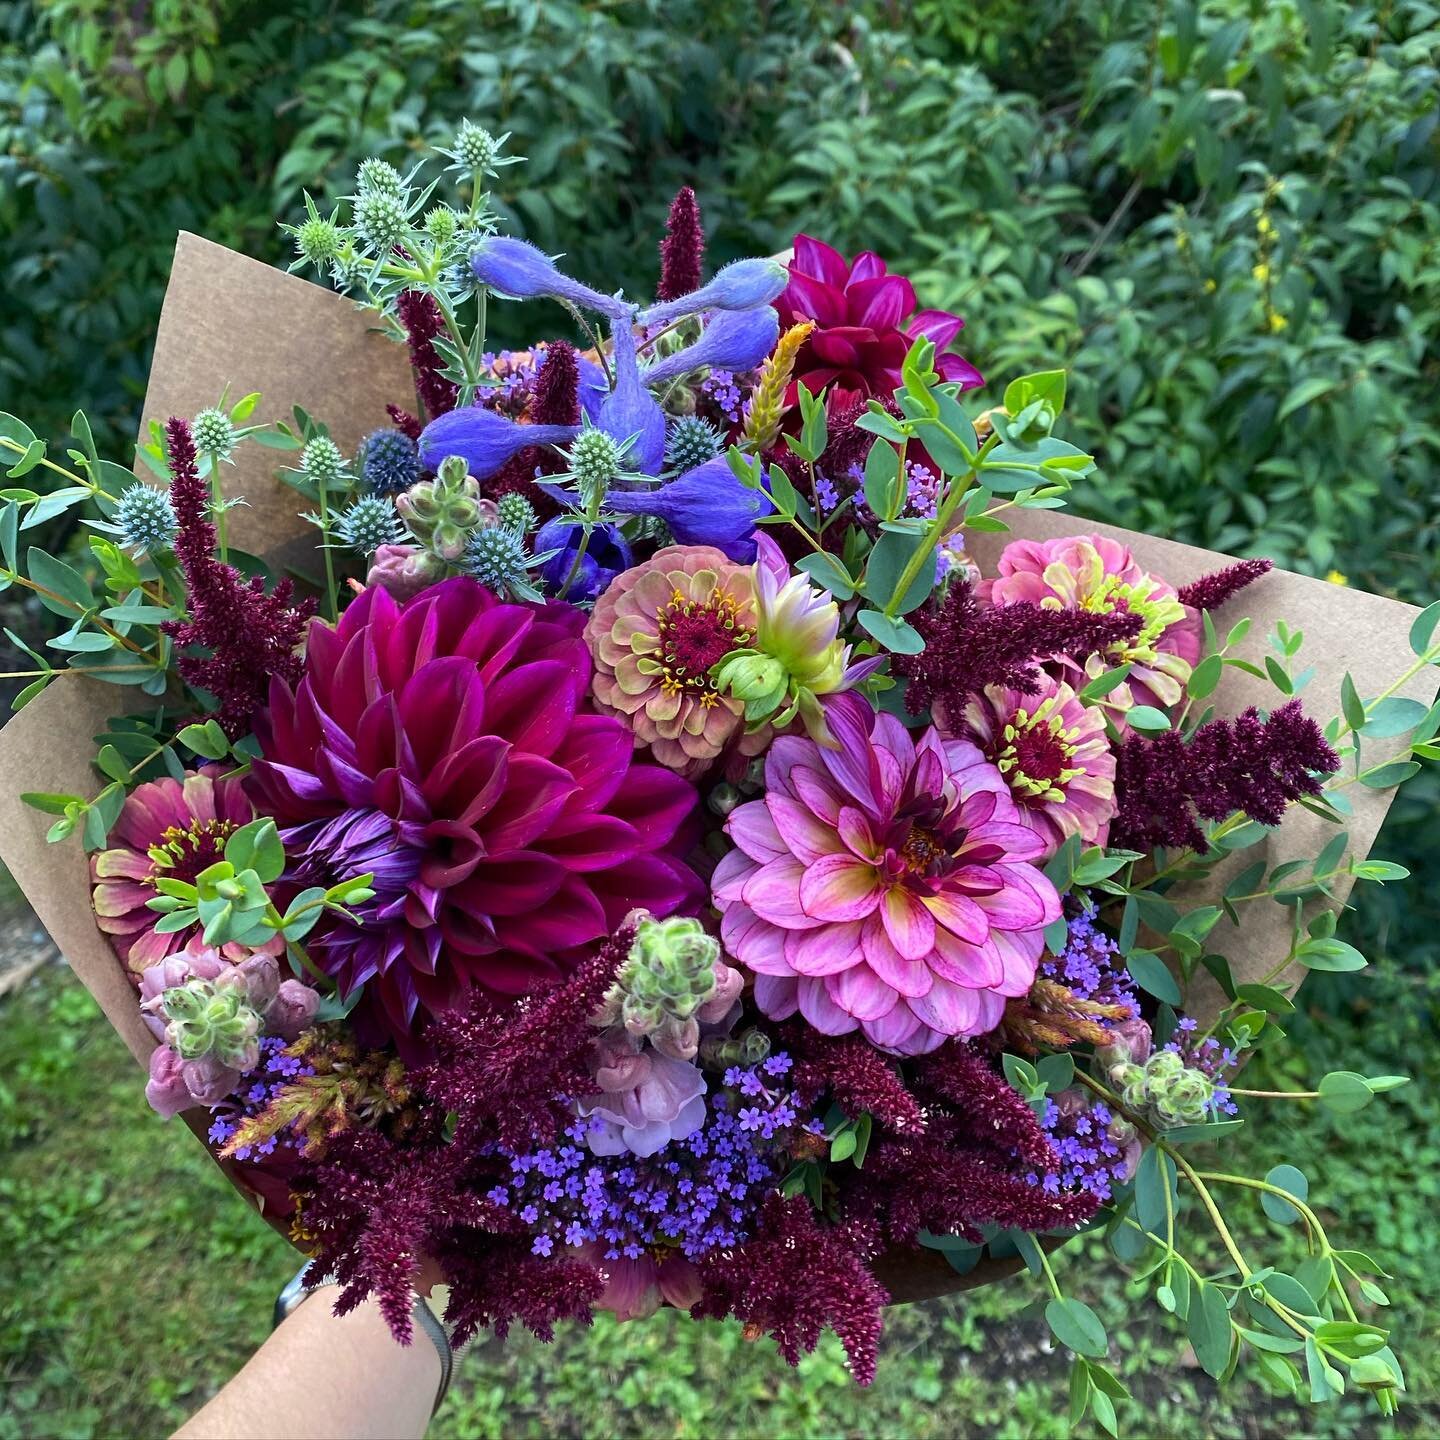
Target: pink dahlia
{"x":1054,"y":755}
{"x":1091,"y":572}
{"x":865,"y":322}
{"x":444,"y":746}
{"x":655,"y":633}
{"x":884,"y":885}
{"x":168,"y":830}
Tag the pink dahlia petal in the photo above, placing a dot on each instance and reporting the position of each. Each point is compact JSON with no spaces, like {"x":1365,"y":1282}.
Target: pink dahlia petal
{"x":751,"y":827}
{"x":820,"y":1010}
{"x":909,"y":925}
{"x":773,"y":893}
{"x":907,"y":977}
{"x":825,"y":950}
{"x":949,"y":1008}
{"x":806,"y":835}
{"x":778,"y":996}
{"x":859,"y":992}
{"x":839,"y":888}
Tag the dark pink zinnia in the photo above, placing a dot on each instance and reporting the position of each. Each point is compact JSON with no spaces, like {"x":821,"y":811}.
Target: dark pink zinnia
{"x":866,"y":320}
{"x":445,"y":745}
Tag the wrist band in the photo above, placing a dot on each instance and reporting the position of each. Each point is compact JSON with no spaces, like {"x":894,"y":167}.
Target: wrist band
{"x":296,"y":1292}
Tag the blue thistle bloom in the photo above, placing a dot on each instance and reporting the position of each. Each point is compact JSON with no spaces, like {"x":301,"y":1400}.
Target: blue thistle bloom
{"x":368,"y":524}
{"x":691,"y":442}
{"x":741,"y":285}
{"x":731,"y":341}
{"x":705,"y":506}
{"x":145,"y":519}
{"x":387,"y":462}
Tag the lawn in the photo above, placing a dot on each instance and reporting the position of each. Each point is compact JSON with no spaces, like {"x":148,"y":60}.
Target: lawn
{"x":137,"y":1281}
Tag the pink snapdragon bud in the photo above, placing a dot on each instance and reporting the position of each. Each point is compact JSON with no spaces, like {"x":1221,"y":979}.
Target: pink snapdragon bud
{"x":260,"y":975}
{"x":1130,"y":1044}
{"x":292,"y":1010}
{"x":729,"y":982}
{"x":166,"y":1089}
{"x":209,"y":1079}
{"x":404,"y":570}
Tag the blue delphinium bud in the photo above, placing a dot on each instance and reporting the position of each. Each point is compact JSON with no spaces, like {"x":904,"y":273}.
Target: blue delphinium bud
{"x":691,"y":442}
{"x":705,"y":506}
{"x":484,"y":439}
{"x":368,"y":524}
{"x":213,"y":433}
{"x":630,"y":411}
{"x":387,"y":462}
{"x":742,"y":285}
{"x":735,"y":341}
{"x":516,"y":268}
{"x":145,"y":519}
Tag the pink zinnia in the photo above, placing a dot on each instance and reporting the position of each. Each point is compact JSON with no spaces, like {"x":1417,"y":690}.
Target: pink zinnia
{"x":865,"y":323}
{"x":1054,"y":755}
{"x":884,"y":885}
{"x":1093,"y":573}
{"x":168,"y":830}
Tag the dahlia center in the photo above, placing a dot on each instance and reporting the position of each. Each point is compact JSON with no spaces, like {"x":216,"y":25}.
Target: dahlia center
{"x":696,"y":635}
{"x":923,"y":850}
{"x":181,"y":854}
{"x":1156,"y":615}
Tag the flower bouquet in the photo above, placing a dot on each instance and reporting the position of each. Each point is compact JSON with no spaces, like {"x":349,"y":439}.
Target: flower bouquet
{"x":678,"y":815}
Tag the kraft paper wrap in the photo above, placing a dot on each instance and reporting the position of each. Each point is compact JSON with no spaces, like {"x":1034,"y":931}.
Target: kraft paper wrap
{"x":229,"y":320}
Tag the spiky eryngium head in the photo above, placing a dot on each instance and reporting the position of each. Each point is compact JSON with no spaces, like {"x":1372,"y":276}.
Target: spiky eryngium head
{"x":691,"y":442}
{"x":516,"y":513}
{"x":476,"y":148}
{"x":322,"y":462}
{"x":368,"y":524}
{"x":145,"y":519}
{"x":317,"y":240}
{"x":387,"y":462}
{"x":381,"y":219}
{"x":595,"y":459}
{"x":378,"y":177}
{"x":214,"y":433}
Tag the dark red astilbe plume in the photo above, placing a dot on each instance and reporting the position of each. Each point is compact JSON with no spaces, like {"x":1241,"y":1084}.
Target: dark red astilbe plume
{"x":556,"y":401}
{"x":855,"y":1075}
{"x":503,"y":1072}
{"x":1258,"y":767}
{"x":404,"y":421}
{"x":250,"y":635}
{"x":1211,"y":591}
{"x":987,"y":1106}
{"x":968,"y":648}
{"x":794,"y":1278}
{"x":375,"y":1208}
{"x":682,"y":251}
{"x":493,"y":1286}
{"x":420,"y":315}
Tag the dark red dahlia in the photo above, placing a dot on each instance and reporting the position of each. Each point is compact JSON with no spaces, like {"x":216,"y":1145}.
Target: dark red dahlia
{"x":865,"y":322}
{"x":447,"y":747}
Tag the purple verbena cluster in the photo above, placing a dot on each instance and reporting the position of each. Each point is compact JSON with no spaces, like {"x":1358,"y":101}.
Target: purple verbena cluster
{"x":1090,"y":1159}
{"x":271,"y":1074}
{"x":699,"y":1194}
{"x":922,"y":490}
{"x":724,"y":394}
{"x":1091,"y":966}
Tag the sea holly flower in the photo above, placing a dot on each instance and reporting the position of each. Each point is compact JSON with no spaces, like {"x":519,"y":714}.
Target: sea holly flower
{"x":796,"y":656}
{"x":387,"y":462}
{"x":144,"y":519}
{"x":1100,"y":576}
{"x":865,"y":322}
{"x":168,"y":830}
{"x":444,"y":746}
{"x":656,"y":633}
{"x":1054,"y":755}
{"x":884,"y":884}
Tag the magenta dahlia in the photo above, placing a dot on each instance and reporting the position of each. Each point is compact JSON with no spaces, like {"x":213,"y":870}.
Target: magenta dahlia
{"x":884,"y":885}
{"x":445,"y":745}
{"x":168,"y":830}
{"x":865,"y":322}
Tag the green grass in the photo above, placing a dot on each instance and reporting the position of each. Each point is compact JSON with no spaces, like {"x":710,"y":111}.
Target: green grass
{"x":135,"y":1282}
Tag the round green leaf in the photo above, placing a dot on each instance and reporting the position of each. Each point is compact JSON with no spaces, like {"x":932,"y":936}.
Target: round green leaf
{"x":1287,"y":1177}
{"x":1077,"y":1327}
{"x":1345,"y":1092}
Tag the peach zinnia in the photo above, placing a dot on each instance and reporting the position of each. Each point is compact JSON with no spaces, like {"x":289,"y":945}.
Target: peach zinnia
{"x":655,"y":634}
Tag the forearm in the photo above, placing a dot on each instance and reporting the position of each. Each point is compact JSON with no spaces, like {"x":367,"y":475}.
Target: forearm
{"x":319,"y":1377}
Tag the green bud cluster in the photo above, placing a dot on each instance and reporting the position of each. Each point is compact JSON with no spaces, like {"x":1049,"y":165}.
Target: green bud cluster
{"x":757,"y":679}
{"x":1172,"y":1092}
{"x":667,"y":976}
{"x":443,"y":513}
{"x":206,"y":1018}
{"x":442,"y":224}
{"x":214,"y":434}
{"x":317,"y":240}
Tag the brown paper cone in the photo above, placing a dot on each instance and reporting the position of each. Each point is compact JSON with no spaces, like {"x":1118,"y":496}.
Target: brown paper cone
{"x":231,"y":320}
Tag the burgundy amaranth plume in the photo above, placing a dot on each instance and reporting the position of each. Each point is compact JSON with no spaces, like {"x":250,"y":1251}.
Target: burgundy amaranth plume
{"x":555,"y":401}
{"x":250,"y":635}
{"x":1211,"y":591}
{"x":420,"y":315}
{"x":682,"y":251}
{"x":968,"y":648}
{"x":860,"y":1079}
{"x":1254,"y":766}
{"x":404,"y":422}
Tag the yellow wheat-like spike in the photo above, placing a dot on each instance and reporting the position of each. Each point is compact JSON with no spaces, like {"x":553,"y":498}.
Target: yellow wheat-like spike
{"x":767,"y":400}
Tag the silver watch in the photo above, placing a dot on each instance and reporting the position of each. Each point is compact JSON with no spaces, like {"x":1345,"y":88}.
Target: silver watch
{"x":296,"y":1292}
